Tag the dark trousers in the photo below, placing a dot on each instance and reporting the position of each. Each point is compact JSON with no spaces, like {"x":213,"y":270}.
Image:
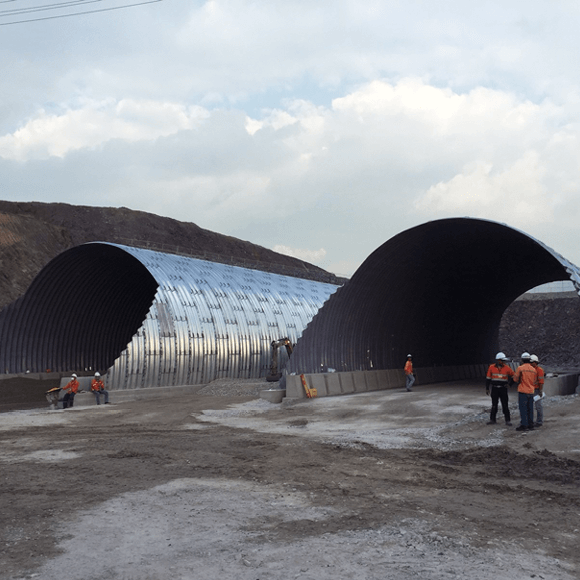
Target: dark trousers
{"x":68,"y":400}
{"x":499,"y":393}
{"x":526,"y":404}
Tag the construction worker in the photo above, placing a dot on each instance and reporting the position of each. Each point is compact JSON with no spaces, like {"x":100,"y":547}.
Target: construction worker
{"x":98,"y":389}
{"x":526,"y":376}
{"x":499,"y":377}
{"x":539,"y":391}
{"x":70,"y":391}
{"x":409,"y":376}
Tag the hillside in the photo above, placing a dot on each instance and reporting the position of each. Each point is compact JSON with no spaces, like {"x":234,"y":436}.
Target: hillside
{"x":544,"y":324}
{"x":33,"y":233}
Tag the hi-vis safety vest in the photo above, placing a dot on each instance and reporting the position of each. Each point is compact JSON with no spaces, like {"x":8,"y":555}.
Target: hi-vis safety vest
{"x":499,"y":376}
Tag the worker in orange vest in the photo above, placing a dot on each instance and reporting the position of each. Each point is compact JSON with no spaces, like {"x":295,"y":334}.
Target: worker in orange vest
{"x":497,"y":380}
{"x":98,"y":389}
{"x":526,"y":376}
{"x":409,"y":376}
{"x":539,"y":391}
{"x":70,"y":390}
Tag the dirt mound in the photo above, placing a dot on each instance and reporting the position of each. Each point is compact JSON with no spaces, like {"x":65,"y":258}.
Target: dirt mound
{"x":547,"y":325}
{"x":31,"y":234}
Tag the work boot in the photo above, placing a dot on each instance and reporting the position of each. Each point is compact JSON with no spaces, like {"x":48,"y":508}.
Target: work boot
{"x":508,"y":423}
{"x":491,"y":422}
{"x":521,"y":428}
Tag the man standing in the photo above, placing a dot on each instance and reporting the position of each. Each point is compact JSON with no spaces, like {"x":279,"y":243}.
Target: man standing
{"x":70,"y":390}
{"x":539,"y":391}
{"x":499,"y":377}
{"x":526,"y":376}
{"x":409,"y":376}
{"x":98,"y":389}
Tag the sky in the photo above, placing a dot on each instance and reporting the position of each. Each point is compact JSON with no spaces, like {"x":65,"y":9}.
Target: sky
{"x":317,"y":129}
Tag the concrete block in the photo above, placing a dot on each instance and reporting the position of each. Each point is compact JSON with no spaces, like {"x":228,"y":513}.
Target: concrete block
{"x":84,"y":382}
{"x":294,"y":389}
{"x":382,"y":379}
{"x":561,"y":385}
{"x":424,"y":375}
{"x":360,"y":384}
{"x":317,"y":381}
{"x":333,"y":383}
{"x":273,"y":395}
{"x":371,"y":379}
{"x":396,"y":378}
{"x":346,"y":382}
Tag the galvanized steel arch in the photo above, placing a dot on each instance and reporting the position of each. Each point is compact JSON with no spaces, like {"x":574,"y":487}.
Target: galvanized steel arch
{"x":437,"y":291}
{"x":153,"y":319}
{"x":79,"y":312}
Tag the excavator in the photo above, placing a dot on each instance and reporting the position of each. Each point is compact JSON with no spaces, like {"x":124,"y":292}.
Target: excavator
{"x":275,"y":374}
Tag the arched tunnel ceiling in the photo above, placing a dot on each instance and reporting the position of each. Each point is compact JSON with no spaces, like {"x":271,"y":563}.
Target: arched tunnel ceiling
{"x":437,"y":291}
{"x":80,"y":311}
{"x":153,"y":319}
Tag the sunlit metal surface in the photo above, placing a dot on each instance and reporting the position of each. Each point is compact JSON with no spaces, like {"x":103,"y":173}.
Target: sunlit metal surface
{"x":437,"y":291}
{"x":154,"y":319}
{"x":211,"y":320}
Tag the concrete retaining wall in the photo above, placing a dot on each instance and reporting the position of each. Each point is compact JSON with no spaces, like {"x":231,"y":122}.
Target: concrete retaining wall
{"x":561,"y":385}
{"x":329,"y":384}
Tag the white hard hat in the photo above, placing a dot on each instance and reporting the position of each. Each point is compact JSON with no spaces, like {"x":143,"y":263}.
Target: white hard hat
{"x":97,"y":374}
{"x":409,"y":355}
{"x":500,"y":356}
{"x":526,"y":355}
{"x":74,"y":376}
{"x":534,"y":358}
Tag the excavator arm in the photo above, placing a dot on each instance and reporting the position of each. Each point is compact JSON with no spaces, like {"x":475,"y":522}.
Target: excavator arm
{"x":275,"y":374}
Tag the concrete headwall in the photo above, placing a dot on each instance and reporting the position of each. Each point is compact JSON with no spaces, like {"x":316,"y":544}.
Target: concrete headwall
{"x":561,"y":385}
{"x":330,"y":384}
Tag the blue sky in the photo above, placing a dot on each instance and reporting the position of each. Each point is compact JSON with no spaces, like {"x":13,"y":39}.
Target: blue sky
{"x":317,"y":129}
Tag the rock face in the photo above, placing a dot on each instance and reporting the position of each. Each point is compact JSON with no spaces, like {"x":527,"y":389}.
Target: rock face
{"x":31,"y":234}
{"x":547,"y":325}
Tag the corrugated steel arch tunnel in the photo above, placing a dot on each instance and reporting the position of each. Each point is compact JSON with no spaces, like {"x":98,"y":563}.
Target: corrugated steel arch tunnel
{"x":437,"y":291}
{"x":151,"y":319}
{"x":79,"y":313}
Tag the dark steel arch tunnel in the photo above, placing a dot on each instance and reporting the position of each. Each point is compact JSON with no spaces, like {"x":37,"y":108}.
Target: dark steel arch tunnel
{"x":437,"y":291}
{"x":79,"y":312}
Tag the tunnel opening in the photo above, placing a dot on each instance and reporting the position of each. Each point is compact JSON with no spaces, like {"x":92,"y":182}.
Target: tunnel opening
{"x":79,"y":313}
{"x":438,"y":291}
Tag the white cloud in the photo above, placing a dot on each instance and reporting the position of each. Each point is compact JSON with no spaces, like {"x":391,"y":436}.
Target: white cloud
{"x":312,"y":256}
{"x":333,"y":124}
{"x":480,"y":192}
{"x":96,"y":123}
{"x":382,"y":158}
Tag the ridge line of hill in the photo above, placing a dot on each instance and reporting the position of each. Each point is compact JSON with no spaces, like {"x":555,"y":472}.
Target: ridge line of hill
{"x":33,"y":233}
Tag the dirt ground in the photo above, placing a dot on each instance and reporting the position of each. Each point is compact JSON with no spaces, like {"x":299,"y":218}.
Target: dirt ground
{"x":384,"y":485}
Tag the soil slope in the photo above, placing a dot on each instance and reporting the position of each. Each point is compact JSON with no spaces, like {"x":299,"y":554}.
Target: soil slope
{"x":31,"y":234}
{"x":547,"y":325}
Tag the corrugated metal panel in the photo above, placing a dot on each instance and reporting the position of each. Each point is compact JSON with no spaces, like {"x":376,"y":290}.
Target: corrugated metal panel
{"x":79,"y":312}
{"x":212,"y":320}
{"x":434,"y":291}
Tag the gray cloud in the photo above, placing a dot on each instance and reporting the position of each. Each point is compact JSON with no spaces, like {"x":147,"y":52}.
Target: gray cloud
{"x":323,"y":127}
